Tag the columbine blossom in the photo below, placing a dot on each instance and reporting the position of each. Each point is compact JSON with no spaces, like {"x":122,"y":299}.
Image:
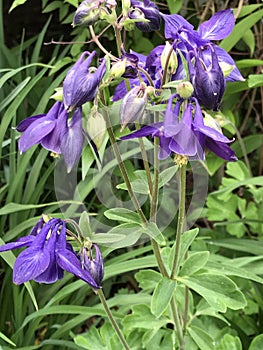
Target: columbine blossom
{"x":92,"y":264}
{"x":47,"y":255}
{"x":55,"y":133}
{"x":82,"y":81}
{"x":188,"y":136}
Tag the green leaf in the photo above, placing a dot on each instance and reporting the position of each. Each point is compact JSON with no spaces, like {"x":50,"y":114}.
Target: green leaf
{"x":148,"y":279}
{"x":229,"y":342}
{"x":186,"y":240}
{"x":162,"y":296}
{"x":257,"y":343}
{"x":2,"y":336}
{"x":91,"y":340}
{"x":201,"y":338}
{"x":122,"y":214}
{"x":255,"y":80}
{"x":218,"y":290}
{"x":16,"y":3}
{"x":240,"y":29}
{"x":166,"y":175}
{"x":249,"y":39}
{"x":247,"y":63}
{"x":174,"y":6}
{"x":242,"y":245}
{"x":153,"y":232}
{"x":194,"y":263}
{"x":15,"y":207}
{"x":84,"y":224}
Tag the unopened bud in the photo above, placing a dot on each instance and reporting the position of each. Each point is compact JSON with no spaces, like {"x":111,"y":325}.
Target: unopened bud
{"x":133,"y":105}
{"x":185,"y":89}
{"x":96,"y":127}
{"x":118,"y":69}
{"x":169,"y":55}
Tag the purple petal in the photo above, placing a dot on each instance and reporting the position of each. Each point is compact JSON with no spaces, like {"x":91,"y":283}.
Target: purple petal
{"x":35,"y":133}
{"x":72,"y":141}
{"x":224,"y":57}
{"x":218,"y":26}
{"x":69,"y":262}
{"x":24,"y":124}
{"x":21,"y":242}
{"x":173,"y":24}
{"x":221,"y":149}
{"x":145,"y":131}
{"x":164,"y":151}
{"x":53,"y":272}
{"x":30,"y":264}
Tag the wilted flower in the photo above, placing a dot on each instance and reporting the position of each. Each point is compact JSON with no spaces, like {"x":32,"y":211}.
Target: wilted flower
{"x":82,"y":81}
{"x":133,"y":105}
{"x":94,"y":265}
{"x":145,"y":10}
{"x":54,"y":133}
{"x":208,"y":80}
{"x":47,"y":255}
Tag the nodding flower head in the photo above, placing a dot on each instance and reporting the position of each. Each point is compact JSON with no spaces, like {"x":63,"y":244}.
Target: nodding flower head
{"x":148,"y":12}
{"x":82,"y":81}
{"x":207,"y":77}
{"x":94,"y":265}
{"x":133,"y":105}
{"x":87,"y":13}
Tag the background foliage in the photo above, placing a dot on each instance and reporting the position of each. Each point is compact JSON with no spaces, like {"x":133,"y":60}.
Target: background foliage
{"x":67,"y":314}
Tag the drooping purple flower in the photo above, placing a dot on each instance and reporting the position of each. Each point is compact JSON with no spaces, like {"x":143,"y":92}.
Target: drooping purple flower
{"x":47,"y":255}
{"x":87,"y":13}
{"x":145,"y":10}
{"x":211,"y":138}
{"x":207,"y":78}
{"x":131,"y":69}
{"x":92,"y":264}
{"x":82,"y":81}
{"x":54,"y":133}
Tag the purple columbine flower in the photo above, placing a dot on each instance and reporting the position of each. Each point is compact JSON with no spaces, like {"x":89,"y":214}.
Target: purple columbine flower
{"x":47,"y":255}
{"x":92,"y":264}
{"x":145,"y":10}
{"x":82,"y":81}
{"x":188,"y":136}
{"x":208,"y":137}
{"x":207,"y":78}
{"x":87,"y":13}
{"x":54,"y":133}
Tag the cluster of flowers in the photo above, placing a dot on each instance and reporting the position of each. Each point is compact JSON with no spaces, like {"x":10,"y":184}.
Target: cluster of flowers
{"x":48,"y":254}
{"x":183,"y":131}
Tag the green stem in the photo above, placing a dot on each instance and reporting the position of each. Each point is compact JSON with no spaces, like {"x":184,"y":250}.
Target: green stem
{"x":112,"y":320}
{"x":177,"y":323}
{"x":181,"y":219}
{"x":123,"y":168}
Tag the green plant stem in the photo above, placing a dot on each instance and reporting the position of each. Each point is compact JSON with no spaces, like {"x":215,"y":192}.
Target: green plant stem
{"x":123,"y":168}
{"x":177,"y":324}
{"x":112,"y":320}
{"x":180,"y":221}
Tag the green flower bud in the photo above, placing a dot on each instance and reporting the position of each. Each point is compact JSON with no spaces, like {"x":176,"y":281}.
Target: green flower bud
{"x":126,"y":4}
{"x":118,"y":69}
{"x":169,"y":55}
{"x":96,"y":127}
{"x":185,"y":89}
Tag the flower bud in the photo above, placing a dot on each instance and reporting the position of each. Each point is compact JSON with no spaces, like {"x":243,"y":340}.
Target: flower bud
{"x":96,"y":127}
{"x":169,"y":55}
{"x":93,"y":265}
{"x":126,"y":4}
{"x":118,"y":69}
{"x":87,"y":13}
{"x":185,"y":89}
{"x":133,"y":105}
